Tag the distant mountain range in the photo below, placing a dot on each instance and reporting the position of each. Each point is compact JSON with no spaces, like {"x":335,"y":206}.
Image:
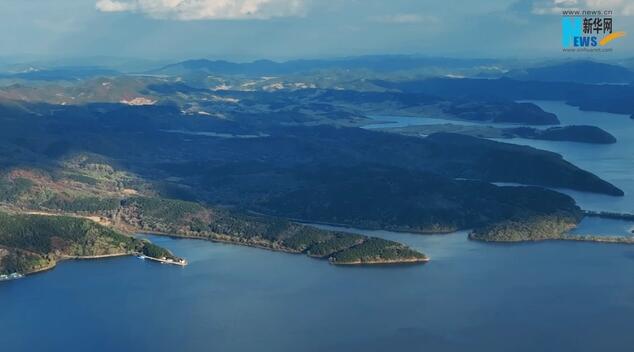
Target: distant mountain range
{"x":60,"y":73}
{"x":581,"y":71}
{"x":614,"y":98}
{"x":387,"y":63}
{"x":575,"y":71}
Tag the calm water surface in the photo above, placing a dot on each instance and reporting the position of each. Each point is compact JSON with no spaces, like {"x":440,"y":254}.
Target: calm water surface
{"x":471,"y":297}
{"x":612,"y":162}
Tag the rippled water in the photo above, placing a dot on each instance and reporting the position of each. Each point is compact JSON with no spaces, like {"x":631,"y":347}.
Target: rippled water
{"x":472,"y":296}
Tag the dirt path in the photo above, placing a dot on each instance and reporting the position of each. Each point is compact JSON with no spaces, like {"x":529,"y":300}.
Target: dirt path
{"x":98,"y":219}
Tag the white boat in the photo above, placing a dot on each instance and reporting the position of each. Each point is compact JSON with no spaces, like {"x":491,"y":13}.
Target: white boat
{"x":13,"y":276}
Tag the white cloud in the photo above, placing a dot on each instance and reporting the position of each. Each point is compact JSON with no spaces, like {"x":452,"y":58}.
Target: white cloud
{"x":187,"y":10}
{"x":620,"y":7}
{"x":404,"y":19}
{"x":114,"y":6}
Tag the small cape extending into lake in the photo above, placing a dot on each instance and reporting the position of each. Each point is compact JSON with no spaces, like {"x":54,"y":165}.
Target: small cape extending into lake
{"x":548,"y":229}
{"x":35,"y":243}
{"x":31,"y":243}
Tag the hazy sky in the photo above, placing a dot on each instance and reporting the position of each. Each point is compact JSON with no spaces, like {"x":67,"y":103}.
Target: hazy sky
{"x":282,"y":29}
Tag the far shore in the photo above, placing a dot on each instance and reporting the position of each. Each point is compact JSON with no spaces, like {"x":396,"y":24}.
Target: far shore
{"x":627,"y":240}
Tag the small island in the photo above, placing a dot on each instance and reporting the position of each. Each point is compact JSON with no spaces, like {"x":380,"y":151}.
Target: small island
{"x":547,"y":228}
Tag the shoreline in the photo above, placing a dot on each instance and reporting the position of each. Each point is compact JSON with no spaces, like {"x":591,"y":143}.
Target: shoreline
{"x":412,"y":261}
{"x":608,"y":215}
{"x":216,"y":240}
{"x":362,"y":228}
{"x":61,"y":259}
{"x":311,"y":223}
{"x":89,"y":257}
{"x":282,"y":250}
{"x":182,"y":263}
{"x":623,"y":240}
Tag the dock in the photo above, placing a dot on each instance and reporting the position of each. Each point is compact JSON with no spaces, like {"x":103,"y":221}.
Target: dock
{"x":13,"y":276}
{"x":181,"y":262}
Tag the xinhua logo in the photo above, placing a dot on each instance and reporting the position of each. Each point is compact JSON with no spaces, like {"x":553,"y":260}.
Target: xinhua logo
{"x":587,"y":32}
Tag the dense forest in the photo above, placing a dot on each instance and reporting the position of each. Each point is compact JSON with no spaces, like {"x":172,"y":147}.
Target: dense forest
{"x":285,"y":156}
{"x":155,"y":215}
{"x":190,"y":219}
{"x":32,"y":242}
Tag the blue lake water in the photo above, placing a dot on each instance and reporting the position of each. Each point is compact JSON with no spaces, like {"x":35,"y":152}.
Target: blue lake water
{"x":472,"y":296}
{"x":384,"y":121}
{"x":612,"y":162}
{"x":604,"y":227}
{"x":404,"y":121}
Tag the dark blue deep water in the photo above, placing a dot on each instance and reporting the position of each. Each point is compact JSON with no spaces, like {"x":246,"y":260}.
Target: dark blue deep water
{"x":471,"y":297}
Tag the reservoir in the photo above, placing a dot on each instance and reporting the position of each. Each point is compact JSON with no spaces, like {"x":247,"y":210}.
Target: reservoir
{"x":472,"y":296}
